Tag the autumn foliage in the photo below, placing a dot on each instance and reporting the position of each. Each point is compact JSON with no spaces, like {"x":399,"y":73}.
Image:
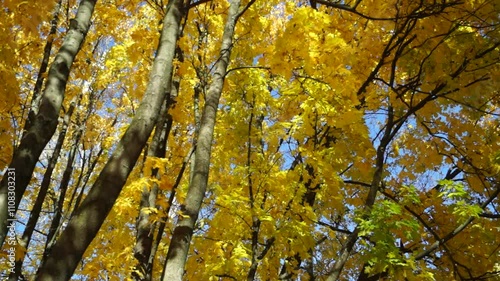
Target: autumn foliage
{"x":251,"y":140}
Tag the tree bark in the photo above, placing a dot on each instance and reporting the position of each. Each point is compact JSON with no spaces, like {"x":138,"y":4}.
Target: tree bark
{"x":45,"y":122}
{"x":181,"y":238}
{"x":42,"y":193}
{"x":88,"y":218}
{"x":35,"y":99}
{"x":56,"y":223}
{"x":145,"y":230}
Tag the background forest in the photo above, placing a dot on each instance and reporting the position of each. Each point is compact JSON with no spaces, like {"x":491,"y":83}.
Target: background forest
{"x":250,"y":140}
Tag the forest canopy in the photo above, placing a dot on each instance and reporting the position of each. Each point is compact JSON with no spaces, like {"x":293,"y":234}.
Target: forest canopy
{"x":250,"y":140}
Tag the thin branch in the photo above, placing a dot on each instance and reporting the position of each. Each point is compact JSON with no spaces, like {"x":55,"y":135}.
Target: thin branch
{"x":247,"y":67}
{"x":199,"y":2}
{"x":457,"y":230}
{"x":490,"y":216}
{"x":334,"y":228}
{"x":244,"y":10}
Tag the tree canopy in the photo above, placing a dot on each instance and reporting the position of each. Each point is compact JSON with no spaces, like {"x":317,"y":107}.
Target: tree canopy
{"x":250,"y":140}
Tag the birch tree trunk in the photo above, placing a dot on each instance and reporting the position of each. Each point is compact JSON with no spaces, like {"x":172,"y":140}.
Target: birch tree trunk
{"x":88,"y":218}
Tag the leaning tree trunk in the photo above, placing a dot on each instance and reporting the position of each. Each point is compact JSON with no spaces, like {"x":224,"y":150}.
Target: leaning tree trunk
{"x":44,"y":125}
{"x":88,"y":218}
{"x":181,"y":238}
{"x":42,"y":193}
{"x":35,"y":99}
{"x":56,"y":223}
{"x":145,"y":229}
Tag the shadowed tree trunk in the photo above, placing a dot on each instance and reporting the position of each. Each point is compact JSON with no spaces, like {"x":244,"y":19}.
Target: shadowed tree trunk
{"x":88,"y":218}
{"x":161,"y":225}
{"x":56,"y":224}
{"x":42,"y":193}
{"x":44,"y":123}
{"x":181,"y":238}
{"x":145,"y":247}
{"x":145,"y":229}
{"x":35,"y":99}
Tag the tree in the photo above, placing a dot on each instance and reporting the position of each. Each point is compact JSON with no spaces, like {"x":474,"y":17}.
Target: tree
{"x":41,"y":125}
{"x":181,"y":237}
{"x":66,"y":253}
{"x":326,"y":140}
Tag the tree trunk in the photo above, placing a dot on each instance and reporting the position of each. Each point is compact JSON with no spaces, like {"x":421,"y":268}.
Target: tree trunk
{"x":42,"y":193}
{"x":56,"y":224}
{"x":35,"y":99}
{"x":181,"y":238}
{"x":88,"y":218}
{"x":45,"y":122}
{"x":145,"y":230}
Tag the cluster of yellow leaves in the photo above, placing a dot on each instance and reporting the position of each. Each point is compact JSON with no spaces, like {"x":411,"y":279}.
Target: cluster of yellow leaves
{"x":22,"y":23}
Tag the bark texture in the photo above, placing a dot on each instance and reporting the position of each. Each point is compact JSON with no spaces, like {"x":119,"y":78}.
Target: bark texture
{"x":88,"y":218}
{"x":42,"y":193}
{"x":145,"y":229}
{"x":181,"y":238}
{"x":45,"y":122}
